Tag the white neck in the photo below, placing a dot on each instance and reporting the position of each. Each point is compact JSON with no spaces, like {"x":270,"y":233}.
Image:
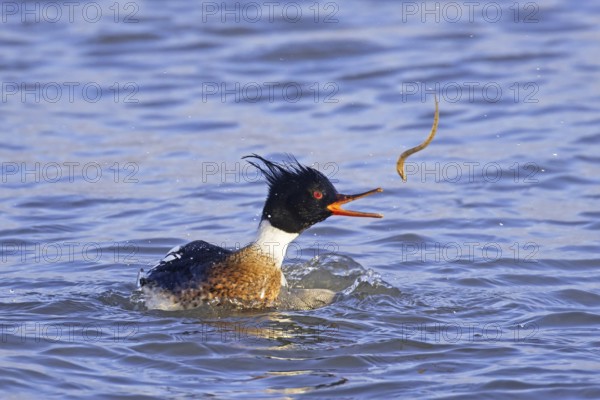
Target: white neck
{"x":273,"y":241}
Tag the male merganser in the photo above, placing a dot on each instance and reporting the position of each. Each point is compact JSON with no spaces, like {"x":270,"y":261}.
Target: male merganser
{"x":251,"y":277}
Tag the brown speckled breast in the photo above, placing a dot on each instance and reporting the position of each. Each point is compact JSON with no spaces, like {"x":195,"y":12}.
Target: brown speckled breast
{"x":247,"y":278}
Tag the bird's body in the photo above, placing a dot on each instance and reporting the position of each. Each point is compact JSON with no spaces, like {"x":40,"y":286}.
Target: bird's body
{"x":201,"y":272}
{"x":250,"y":277}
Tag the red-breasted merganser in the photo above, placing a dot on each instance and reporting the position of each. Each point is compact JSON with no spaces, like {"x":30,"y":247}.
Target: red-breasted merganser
{"x":251,"y":277}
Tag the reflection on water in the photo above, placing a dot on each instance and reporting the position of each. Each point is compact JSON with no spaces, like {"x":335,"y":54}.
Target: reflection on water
{"x":124,"y":125}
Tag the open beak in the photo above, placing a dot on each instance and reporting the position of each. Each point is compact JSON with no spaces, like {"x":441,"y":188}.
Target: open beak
{"x":336,"y":207}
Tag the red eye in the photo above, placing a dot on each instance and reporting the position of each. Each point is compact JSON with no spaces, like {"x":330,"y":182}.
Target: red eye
{"x":318,"y":195}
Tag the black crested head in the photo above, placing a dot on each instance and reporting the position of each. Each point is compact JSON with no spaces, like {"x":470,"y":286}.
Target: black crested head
{"x":299,"y":196}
